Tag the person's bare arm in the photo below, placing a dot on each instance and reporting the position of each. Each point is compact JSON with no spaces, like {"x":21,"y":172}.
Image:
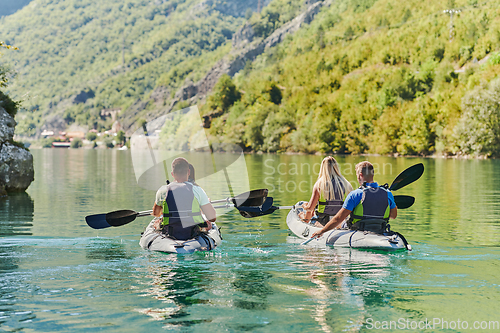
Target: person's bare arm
{"x":334,"y":222}
{"x":157,"y":210}
{"x":393,"y":213}
{"x":209,"y":212}
{"x":309,"y":206}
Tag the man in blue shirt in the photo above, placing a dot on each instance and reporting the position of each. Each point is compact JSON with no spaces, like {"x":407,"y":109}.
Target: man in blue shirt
{"x":370,"y":201}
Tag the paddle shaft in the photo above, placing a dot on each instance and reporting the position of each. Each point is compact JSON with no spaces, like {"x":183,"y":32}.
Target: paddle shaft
{"x":144,"y":213}
{"x":307,"y":241}
{"x":149,"y":212}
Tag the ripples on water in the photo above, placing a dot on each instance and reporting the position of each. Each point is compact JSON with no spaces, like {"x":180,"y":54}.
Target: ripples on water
{"x":56,"y":274}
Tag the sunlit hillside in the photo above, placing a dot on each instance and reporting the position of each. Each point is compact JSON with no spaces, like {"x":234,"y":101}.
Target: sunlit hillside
{"x":77,"y":57}
{"x":361,"y":76}
{"x":374,"y":77}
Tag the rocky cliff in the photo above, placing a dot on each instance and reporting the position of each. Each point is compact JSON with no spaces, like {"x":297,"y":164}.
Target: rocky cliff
{"x":245,"y":48}
{"x":16,"y":163}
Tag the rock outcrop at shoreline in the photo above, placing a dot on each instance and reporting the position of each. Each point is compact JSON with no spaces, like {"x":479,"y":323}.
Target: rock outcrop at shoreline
{"x":16,"y":163}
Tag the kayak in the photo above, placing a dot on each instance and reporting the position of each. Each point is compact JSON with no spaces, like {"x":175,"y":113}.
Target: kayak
{"x":153,"y":240}
{"x":345,"y":237}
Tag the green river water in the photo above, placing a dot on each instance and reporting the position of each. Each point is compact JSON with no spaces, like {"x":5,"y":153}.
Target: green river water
{"x":57,"y":274}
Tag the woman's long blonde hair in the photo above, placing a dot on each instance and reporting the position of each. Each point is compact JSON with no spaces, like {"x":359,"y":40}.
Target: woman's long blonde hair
{"x":330,"y":178}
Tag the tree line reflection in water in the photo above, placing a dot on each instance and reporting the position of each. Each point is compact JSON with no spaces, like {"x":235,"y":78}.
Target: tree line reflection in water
{"x":16,"y":219}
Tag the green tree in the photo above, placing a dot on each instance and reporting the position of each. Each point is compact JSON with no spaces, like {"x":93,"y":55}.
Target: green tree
{"x":478,"y":131}
{"x":120,"y":137}
{"x":225,"y":94}
{"x":5,"y":101}
{"x":91,"y":136}
{"x":76,"y":143}
{"x":108,"y":142}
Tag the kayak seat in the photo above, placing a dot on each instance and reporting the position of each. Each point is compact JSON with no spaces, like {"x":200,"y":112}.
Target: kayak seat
{"x":377,"y":226}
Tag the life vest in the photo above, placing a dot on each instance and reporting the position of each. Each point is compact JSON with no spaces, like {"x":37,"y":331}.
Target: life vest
{"x":181,"y":212}
{"x":372,"y":213}
{"x":329,"y":207}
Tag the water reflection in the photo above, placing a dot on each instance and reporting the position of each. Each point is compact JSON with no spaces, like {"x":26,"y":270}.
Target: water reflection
{"x":105,"y":249}
{"x":345,"y":284}
{"x":253,"y":283}
{"x":177,"y":282}
{"x":16,"y":217}
{"x":16,"y":214}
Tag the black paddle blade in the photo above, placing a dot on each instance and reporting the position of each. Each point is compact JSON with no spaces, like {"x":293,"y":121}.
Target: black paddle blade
{"x":404,"y":201}
{"x":97,"y":221}
{"x":120,"y":217}
{"x":264,"y":209}
{"x":251,"y":198}
{"x":407,"y":177}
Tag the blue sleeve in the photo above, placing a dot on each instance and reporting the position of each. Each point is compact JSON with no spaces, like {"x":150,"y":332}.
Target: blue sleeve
{"x":392,"y":203}
{"x":352,"y":200}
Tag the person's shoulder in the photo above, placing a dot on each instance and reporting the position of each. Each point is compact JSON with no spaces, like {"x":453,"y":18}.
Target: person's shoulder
{"x":197,"y":189}
{"x":163,"y":188}
{"x":354,"y":195}
{"x":356,"y":191}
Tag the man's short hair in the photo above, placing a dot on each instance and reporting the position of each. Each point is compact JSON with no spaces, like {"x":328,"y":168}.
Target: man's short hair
{"x":180,"y":166}
{"x":365,"y":168}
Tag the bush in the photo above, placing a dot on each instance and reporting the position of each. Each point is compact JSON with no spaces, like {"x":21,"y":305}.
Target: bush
{"x":495,"y":58}
{"x":225,"y":94}
{"x":76,"y":143}
{"x":274,"y":93}
{"x":47,"y":142}
{"x":8,"y":104}
{"x":120,"y":137}
{"x":91,"y":136}
{"x":478,"y":130}
{"x":109,"y":142}
{"x":275,"y":126}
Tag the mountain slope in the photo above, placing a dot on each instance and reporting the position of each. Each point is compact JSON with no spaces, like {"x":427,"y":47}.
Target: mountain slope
{"x":77,"y":57}
{"x":370,"y":76}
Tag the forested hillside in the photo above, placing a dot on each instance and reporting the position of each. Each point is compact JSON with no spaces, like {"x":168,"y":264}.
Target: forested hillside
{"x":77,"y":57}
{"x":364,"y":76}
{"x":372,"y":76}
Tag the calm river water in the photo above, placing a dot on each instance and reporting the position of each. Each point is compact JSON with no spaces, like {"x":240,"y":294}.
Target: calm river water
{"x":57,"y":274}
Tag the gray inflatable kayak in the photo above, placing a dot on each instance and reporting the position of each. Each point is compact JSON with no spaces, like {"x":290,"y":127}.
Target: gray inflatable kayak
{"x":156,"y":241}
{"x":344,"y":237}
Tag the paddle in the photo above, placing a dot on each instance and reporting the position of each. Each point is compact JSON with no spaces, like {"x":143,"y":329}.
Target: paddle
{"x":121,"y":217}
{"x":114,"y":219}
{"x":250,"y":198}
{"x":307,"y":241}
{"x":404,"y":201}
{"x":407,"y":177}
{"x":265,"y":209}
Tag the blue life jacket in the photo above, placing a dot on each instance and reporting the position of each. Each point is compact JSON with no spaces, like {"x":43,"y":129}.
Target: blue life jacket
{"x":373,"y":209}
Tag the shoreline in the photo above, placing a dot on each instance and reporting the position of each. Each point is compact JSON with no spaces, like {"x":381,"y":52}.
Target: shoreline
{"x":396,"y":155}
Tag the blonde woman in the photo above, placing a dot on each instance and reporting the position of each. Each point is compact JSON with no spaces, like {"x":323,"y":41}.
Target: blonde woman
{"x":328,"y":193}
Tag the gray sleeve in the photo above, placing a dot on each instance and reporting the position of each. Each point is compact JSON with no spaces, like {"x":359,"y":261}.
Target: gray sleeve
{"x":160,"y":195}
